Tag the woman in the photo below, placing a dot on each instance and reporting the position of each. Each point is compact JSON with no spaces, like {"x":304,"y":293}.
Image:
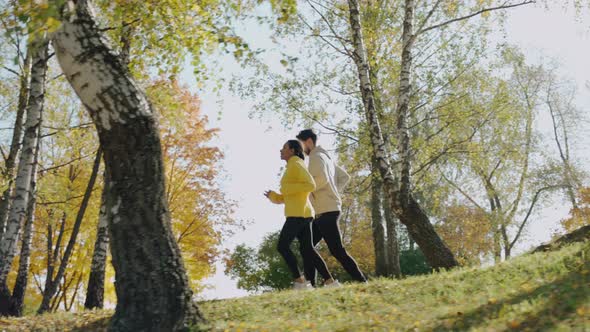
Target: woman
{"x":296,"y":184}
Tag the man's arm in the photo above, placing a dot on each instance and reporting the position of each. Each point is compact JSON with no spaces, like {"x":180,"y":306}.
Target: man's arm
{"x":317,"y":168}
{"x":342,"y":178}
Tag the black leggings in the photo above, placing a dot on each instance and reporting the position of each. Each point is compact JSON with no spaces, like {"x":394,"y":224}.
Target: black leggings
{"x":300,"y":228}
{"x":326,"y":226}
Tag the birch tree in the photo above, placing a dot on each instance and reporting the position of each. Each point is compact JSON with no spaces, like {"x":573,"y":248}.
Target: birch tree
{"x":508,"y":172}
{"x":10,"y":160}
{"x":152,"y":287}
{"x":410,"y":213}
{"x":22,"y":193}
{"x":96,"y":279}
{"x":22,"y":72}
{"x":22,"y":277}
{"x":378,"y":226}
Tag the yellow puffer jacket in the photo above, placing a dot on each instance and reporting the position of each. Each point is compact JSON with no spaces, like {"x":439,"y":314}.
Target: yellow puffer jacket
{"x":296,"y":184}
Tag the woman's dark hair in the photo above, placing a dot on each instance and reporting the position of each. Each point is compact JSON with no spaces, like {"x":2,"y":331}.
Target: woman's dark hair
{"x":296,"y":146}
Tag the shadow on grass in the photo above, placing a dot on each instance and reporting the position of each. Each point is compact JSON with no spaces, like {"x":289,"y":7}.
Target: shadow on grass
{"x":98,"y":325}
{"x":564,"y":296}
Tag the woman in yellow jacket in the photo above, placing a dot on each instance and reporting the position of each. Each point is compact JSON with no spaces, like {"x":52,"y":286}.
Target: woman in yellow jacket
{"x":296,"y":185}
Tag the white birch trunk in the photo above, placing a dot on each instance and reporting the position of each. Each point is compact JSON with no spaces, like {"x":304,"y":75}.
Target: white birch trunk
{"x":409,"y":211}
{"x":20,"y":199}
{"x":23,"y":99}
{"x":22,"y":277}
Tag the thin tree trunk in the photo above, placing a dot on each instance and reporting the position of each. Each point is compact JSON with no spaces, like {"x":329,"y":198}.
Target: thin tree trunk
{"x":507,"y":246}
{"x":73,"y":299}
{"x":95,"y":289}
{"x":153,"y":292}
{"x":377,"y":225}
{"x":55,"y":302}
{"x":403,"y":102}
{"x":521,"y":185}
{"x":494,"y":216}
{"x":22,"y":278}
{"x":23,"y":99}
{"x":53,"y":252}
{"x":393,"y":252}
{"x":22,"y":192}
{"x":50,"y":291}
{"x":409,"y":211}
{"x":563,"y":148}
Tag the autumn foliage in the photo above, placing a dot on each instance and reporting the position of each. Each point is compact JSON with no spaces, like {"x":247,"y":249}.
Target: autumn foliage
{"x":579,"y":216}
{"x":201,"y":214}
{"x":468,"y":232}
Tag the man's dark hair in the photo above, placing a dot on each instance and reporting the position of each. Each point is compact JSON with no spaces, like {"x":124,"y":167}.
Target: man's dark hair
{"x":306,"y":134}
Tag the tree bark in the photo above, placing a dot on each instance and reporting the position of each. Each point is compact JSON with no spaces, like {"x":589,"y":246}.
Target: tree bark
{"x":152,"y":288}
{"x":393,"y":252}
{"x":403,"y":102}
{"x":95,"y":289}
{"x":377,"y":224}
{"x":23,"y":98}
{"x":22,"y":277}
{"x":408,"y":209}
{"x":21,"y":195}
{"x":52,"y":285}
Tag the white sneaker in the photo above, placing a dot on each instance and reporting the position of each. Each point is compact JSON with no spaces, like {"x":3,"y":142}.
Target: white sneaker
{"x":301,"y":285}
{"x":334,"y":284}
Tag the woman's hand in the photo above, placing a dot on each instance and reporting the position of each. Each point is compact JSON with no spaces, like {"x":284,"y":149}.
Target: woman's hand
{"x":274,"y":197}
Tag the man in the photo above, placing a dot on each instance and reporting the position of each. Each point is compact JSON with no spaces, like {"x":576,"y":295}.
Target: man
{"x":330,"y":180}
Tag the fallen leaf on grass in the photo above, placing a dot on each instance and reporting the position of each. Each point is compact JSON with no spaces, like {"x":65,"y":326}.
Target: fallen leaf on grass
{"x":514,"y":324}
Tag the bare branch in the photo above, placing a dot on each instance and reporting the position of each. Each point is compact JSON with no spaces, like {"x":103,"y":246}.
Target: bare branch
{"x":11,"y":70}
{"x":346,"y":50}
{"x":530,"y":210}
{"x":65,"y":164}
{"x":479,"y":12}
{"x":336,"y":48}
{"x":466,"y":195}
{"x":428,"y":16}
{"x":56,"y":77}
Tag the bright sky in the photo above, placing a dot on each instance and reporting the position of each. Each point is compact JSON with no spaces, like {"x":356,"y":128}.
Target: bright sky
{"x":252,"y":147}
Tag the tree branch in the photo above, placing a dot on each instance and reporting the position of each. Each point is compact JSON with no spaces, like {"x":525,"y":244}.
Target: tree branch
{"x":530,"y":210}
{"x":11,"y":70}
{"x":479,"y":12}
{"x":466,"y":195}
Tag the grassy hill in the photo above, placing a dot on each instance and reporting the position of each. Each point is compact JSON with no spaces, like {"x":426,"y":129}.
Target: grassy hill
{"x":539,"y":292}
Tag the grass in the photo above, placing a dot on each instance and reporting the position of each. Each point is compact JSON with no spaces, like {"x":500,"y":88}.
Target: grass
{"x":539,"y":292}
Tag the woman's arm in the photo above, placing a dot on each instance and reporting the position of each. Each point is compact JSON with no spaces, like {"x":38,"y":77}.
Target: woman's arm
{"x":302,"y":181}
{"x":275,"y":197}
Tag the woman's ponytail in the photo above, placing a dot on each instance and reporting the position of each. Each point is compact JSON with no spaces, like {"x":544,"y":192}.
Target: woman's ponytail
{"x":297,"y":148}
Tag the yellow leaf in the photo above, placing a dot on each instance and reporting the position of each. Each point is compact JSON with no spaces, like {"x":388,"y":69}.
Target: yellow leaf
{"x":514,"y":324}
